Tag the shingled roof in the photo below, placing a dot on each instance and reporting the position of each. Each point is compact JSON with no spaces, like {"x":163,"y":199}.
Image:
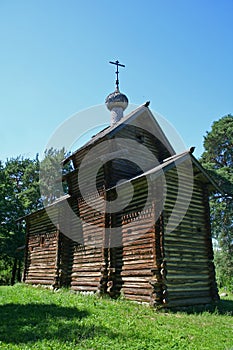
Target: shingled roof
{"x":130,"y":118}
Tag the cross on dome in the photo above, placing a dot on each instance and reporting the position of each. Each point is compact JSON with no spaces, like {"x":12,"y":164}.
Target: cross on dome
{"x":116,"y":102}
{"x":118,"y":64}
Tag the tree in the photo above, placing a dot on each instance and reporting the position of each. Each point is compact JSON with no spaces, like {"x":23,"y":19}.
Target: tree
{"x":51,"y":172}
{"x":21,"y":182}
{"x":19,"y":195}
{"x":218,"y":160}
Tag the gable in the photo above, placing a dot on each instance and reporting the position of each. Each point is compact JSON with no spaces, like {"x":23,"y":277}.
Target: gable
{"x":140,"y":119}
{"x":143,"y":119}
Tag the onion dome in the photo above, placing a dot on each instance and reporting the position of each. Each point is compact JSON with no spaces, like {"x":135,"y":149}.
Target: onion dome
{"x":116,"y":99}
{"x":116,"y":102}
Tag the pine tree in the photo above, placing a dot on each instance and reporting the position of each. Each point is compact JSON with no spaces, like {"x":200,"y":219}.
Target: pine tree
{"x":218,"y":160}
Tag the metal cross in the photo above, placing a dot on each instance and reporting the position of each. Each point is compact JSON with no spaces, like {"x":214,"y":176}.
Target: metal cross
{"x":117,"y":72}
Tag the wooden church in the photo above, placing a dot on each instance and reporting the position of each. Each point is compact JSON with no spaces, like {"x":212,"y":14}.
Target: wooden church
{"x":135,"y":221}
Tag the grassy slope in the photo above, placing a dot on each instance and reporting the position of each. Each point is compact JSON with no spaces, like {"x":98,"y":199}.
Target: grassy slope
{"x":35,"y":318}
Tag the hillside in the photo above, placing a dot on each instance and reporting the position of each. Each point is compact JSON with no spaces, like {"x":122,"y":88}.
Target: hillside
{"x":36,"y":318}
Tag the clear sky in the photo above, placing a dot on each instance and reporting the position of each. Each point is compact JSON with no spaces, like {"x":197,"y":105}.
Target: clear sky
{"x":54,"y":63}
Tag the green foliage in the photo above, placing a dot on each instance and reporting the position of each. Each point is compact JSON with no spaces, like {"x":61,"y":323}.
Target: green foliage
{"x":19,"y":195}
{"x":5,"y":271}
{"x":218,"y":160}
{"x":51,"y":172}
{"x":224,"y":271}
{"x":21,"y":180}
{"x":35,"y":318}
{"x":218,"y":154}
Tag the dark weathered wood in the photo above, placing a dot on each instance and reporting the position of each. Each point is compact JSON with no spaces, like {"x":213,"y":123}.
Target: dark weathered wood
{"x":88,"y":259}
{"x":186,"y":249}
{"x":131,"y":251}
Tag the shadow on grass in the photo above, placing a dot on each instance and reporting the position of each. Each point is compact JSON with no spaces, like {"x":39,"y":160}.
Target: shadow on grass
{"x":225,"y":307}
{"x":34,"y":322}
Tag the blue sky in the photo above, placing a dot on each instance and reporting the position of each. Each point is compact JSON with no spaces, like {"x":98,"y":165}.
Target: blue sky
{"x":54,"y":63}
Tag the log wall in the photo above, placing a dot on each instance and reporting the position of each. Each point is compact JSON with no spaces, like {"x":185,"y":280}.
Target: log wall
{"x":138,"y":256}
{"x":136,"y":260}
{"x":146,"y":155}
{"x":88,"y":256}
{"x":86,"y":181}
{"x":42,"y":249}
{"x":187,"y":248}
{"x":142,"y":136}
{"x":49,"y":250}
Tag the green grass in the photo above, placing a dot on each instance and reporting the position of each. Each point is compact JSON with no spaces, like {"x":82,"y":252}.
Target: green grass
{"x":36,"y":318}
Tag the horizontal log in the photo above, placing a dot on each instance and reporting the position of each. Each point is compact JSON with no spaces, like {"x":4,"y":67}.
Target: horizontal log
{"x":130,"y":265}
{"x":188,"y":294}
{"x":138,"y":257}
{"x":42,"y":261}
{"x":85,"y":288}
{"x":139,"y":298}
{"x":86,"y":274}
{"x":135,"y":272}
{"x":138,"y":243}
{"x":169,"y":249}
{"x":135,"y":286}
{"x":32,"y":268}
{"x":38,"y":255}
{"x":188,"y":288}
{"x":80,"y":268}
{"x":191,"y":277}
{"x":187,"y":284}
{"x":142,"y":292}
{"x":39,"y":281}
{"x":185,"y":239}
{"x":85,"y":282}
{"x":86,"y":260}
{"x":42,"y":275}
{"x":187,"y":257}
{"x":135,"y":279}
{"x":136,"y":266}
{"x":189,"y":302}
{"x":183,"y":268}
